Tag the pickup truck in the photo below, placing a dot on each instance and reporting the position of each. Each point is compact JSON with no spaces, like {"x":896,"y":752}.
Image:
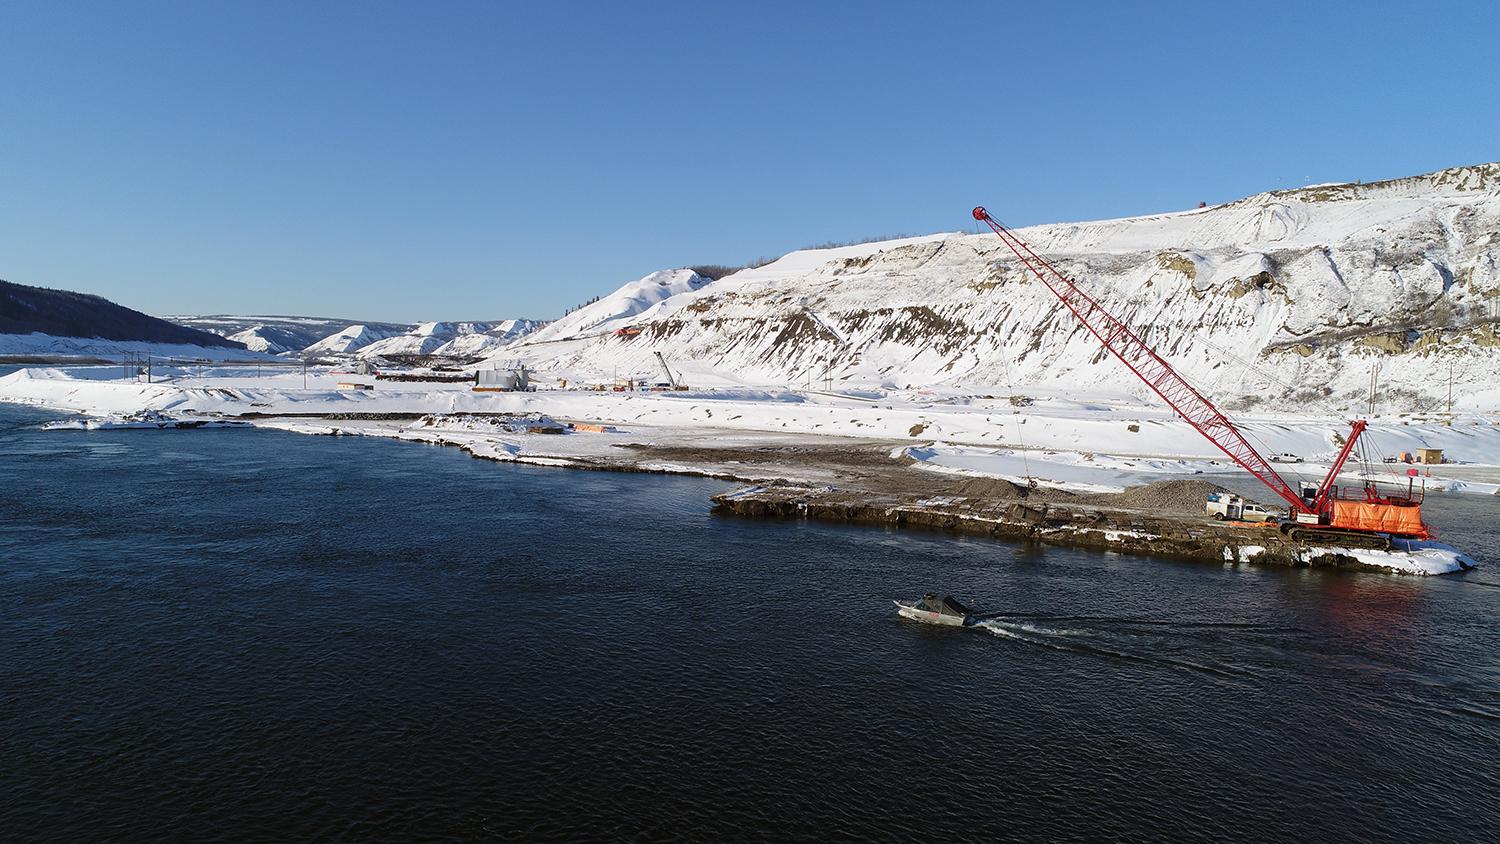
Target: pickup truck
{"x":1223,"y":505}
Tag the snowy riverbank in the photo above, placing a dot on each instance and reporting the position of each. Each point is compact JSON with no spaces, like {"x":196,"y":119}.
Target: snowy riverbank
{"x":916,"y":442}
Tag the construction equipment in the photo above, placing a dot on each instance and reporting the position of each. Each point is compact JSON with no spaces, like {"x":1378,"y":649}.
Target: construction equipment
{"x":672,"y":382}
{"x":1224,"y":505}
{"x":1324,"y":513}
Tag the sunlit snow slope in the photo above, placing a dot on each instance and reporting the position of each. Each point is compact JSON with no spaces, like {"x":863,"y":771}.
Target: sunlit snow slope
{"x":1279,"y":300}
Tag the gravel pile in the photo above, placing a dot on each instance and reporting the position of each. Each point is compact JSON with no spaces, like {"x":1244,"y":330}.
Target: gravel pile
{"x":1185,"y":496}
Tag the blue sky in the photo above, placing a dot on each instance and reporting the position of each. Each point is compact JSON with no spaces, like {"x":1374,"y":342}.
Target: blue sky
{"x":412,"y":161}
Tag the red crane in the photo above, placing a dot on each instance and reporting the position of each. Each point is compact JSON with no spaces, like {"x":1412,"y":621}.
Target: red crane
{"x":1363,"y":520}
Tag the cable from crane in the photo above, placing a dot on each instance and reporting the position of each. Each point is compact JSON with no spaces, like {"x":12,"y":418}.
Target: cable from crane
{"x":1020,"y":442}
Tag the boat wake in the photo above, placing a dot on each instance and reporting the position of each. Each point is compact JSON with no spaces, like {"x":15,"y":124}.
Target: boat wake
{"x":1115,"y":642}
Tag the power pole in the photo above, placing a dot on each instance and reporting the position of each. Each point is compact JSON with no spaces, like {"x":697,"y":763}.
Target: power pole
{"x":148,"y":367}
{"x":1450,"y":394}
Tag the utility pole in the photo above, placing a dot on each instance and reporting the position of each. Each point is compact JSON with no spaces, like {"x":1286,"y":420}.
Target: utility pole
{"x":148,"y":367}
{"x":1450,"y":394}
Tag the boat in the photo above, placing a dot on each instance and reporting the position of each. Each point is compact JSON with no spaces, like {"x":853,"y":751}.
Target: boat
{"x":936,"y":609}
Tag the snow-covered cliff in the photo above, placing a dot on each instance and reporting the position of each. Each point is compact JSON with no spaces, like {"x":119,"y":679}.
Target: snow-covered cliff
{"x":1283,"y":298}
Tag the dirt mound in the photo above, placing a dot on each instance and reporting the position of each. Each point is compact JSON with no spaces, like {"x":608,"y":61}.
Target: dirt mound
{"x":1184,"y":496}
{"x":999,"y":488}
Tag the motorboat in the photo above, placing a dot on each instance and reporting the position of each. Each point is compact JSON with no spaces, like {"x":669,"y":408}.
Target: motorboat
{"x":936,"y":609}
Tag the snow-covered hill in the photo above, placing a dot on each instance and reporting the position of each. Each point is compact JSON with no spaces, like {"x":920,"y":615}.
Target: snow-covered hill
{"x":639,"y":300}
{"x":1282,"y":299}
{"x":500,"y":335}
{"x":322,"y":337}
{"x":448,"y":338}
{"x":279,"y":334}
{"x":352,"y":338}
{"x":44,"y":317}
{"x":263,"y":339}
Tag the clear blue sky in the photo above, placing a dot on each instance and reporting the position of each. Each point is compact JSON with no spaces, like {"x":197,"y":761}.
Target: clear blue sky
{"x":448,"y":160}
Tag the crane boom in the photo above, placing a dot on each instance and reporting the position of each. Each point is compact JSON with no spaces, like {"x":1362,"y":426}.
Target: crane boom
{"x":671,"y":377}
{"x":1151,"y":368}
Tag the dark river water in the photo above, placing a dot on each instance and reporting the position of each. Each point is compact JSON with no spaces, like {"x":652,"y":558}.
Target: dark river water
{"x":249,"y":635}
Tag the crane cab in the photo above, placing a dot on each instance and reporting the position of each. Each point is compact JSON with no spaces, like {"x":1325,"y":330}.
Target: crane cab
{"x":1309,"y":494}
{"x":1365,"y":510}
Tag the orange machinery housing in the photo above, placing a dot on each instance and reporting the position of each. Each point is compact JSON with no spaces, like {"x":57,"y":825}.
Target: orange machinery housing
{"x":1403,"y":519}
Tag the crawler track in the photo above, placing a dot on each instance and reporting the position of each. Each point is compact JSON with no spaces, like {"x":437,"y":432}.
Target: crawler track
{"x":1338,"y":538}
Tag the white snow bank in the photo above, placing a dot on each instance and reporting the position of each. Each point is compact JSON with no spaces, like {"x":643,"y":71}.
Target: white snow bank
{"x":1423,"y":557}
{"x":1081,"y":471}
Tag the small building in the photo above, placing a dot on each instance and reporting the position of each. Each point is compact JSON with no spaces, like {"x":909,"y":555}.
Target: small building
{"x":502,"y":380}
{"x":1430,"y":455}
{"x":354,"y":385}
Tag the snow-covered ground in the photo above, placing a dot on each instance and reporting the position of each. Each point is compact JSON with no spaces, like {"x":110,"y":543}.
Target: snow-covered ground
{"x":1104,"y":443}
{"x":1080,"y":471}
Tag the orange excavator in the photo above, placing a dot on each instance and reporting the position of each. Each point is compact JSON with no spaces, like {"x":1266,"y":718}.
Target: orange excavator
{"x":1326,"y":513}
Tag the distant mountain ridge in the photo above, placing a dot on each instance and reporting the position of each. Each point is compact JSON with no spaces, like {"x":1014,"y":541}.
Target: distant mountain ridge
{"x":452,"y":339}
{"x":318,"y":337}
{"x":63,"y":313}
{"x":280,"y":334}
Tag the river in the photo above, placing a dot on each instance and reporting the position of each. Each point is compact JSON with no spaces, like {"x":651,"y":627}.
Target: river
{"x":251,"y":635}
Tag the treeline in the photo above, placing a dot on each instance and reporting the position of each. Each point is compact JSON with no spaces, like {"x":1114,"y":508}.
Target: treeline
{"x":63,"y":313}
{"x":582,"y":306}
{"x":718,"y":271}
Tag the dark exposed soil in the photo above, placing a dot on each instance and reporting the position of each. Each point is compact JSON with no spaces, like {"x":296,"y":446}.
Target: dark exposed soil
{"x":866,"y":466}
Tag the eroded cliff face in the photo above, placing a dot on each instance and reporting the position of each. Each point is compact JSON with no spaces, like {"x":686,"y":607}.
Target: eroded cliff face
{"x":1278,"y":299}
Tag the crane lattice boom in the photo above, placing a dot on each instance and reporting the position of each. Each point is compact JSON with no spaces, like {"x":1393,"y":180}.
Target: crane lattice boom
{"x":1151,"y":368}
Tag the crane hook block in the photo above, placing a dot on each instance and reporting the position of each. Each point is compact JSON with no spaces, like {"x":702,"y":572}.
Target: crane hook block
{"x":980,"y":213}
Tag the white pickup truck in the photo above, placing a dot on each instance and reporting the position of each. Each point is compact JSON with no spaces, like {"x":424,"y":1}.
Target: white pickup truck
{"x":1223,"y":505}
